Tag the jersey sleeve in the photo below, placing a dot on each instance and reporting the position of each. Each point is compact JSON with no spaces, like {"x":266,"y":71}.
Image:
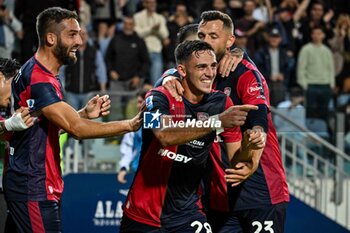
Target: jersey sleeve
{"x":42,"y":94}
{"x":231,"y":134}
{"x":157,"y":101}
{"x":252,"y":88}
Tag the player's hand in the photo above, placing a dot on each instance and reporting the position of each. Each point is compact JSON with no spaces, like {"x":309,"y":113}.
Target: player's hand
{"x":20,"y":120}
{"x":136,"y":122}
{"x":255,"y":139}
{"x":242,"y":171}
{"x":235,"y":115}
{"x":121,"y":177}
{"x":174,"y":87}
{"x":26,"y":116}
{"x":230,"y":61}
{"x":97,"y":106}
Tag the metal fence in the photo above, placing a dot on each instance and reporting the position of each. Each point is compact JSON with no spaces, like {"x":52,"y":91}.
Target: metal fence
{"x":317,"y":172}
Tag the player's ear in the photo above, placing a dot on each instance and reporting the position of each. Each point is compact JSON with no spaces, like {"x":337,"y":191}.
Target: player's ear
{"x":182,"y":70}
{"x":51,"y":38}
{"x":230,"y":41}
{"x":2,"y":78}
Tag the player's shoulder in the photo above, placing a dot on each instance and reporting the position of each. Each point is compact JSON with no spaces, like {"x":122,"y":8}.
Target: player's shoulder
{"x":157,"y":95}
{"x":158,"y":91}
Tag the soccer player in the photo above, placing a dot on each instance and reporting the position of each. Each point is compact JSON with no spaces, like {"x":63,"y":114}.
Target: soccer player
{"x":261,"y":200}
{"x":32,"y":180}
{"x":164,"y":196}
{"x":21,"y":119}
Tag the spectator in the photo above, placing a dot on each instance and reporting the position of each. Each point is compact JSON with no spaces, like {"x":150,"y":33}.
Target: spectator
{"x":315,"y":73}
{"x":219,"y":5}
{"x":128,"y":64}
{"x":317,"y":17}
{"x":287,"y":17}
{"x":292,"y":108}
{"x":241,"y":40}
{"x":263,"y":12}
{"x":285,"y":24}
{"x":250,"y":26}
{"x":236,"y":8}
{"x":10,"y":30}
{"x":87,"y":75}
{"x":26,"y":12}
{"x":85,"y":14}
{"x":276,"y":65}
{"x":106,"y":14}
{"x":176,"y":21}
{"x":151,"y":26}
{"x":340,"y":45}
{"x":130,"y":147}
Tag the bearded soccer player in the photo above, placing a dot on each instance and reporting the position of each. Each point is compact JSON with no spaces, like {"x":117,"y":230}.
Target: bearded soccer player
{"x":164,"y":196}
{"x":32,"y":180}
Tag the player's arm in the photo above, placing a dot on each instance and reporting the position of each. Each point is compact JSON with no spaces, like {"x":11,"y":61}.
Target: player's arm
{"x":238,"y":149}
{"x":244,"y":157}
{"x":251,"y":147}
{"x":231,"y":117}
{"x":169,"y":136}
{"x":65,"y":117}
{"x":252,"y":91}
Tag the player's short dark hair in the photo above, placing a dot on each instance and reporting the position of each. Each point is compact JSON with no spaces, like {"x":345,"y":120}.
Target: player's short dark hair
{"x":185,"y":49}
{"x":212,"y":15}
{"x":9,"y":67}
{"x":186,"y":31}
{"x":48,"y":20}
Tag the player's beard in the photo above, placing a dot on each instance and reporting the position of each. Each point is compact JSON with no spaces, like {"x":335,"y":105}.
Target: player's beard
{"x":62,"y":53}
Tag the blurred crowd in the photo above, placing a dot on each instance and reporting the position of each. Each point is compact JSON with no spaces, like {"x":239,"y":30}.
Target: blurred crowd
{"x":303,"y":44}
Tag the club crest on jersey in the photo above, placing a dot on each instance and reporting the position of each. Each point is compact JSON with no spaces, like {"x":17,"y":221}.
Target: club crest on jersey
{"x":227,"y":91}
{"x":202,"y":116}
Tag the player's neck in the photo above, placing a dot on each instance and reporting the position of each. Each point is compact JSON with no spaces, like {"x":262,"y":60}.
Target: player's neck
{"x":47,"y":59}
{"x":192,"y":94}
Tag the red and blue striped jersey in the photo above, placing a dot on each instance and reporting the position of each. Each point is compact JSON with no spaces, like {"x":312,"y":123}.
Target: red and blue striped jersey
{"x":268,"y":184}
{"x":33,"y":171}
{"x":166,"y":188}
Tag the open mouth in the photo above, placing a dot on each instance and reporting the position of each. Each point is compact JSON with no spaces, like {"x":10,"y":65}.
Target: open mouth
{"x":73,"y":51}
